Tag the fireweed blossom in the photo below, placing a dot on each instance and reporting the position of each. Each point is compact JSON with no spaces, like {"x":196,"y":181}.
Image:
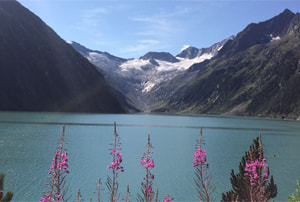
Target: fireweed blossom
{"x":147,"y":162}
{"x":116,"y":164}
{"x":203,"y":179}
{"x":146,"y":186}
{"x":168,"y":199}
{"x":60,"y":161}
{"x":57,"y":173}
{"x":253,"y":167}
{"x":112,"y":184}
{"x":257,"y":172}
{"x":200,"y":158}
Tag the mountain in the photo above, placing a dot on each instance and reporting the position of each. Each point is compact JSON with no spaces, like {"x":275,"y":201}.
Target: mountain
{"x":103,"y":61}
{"x":109,"y":66}
{"x":41,"y":72}
{"x":257,"y":73}
{"x":192,"y":52}
{"x":100,"y":59}
{"x":163,"y":56}
{"x":260,"y":33}
{"x":136,"y":78}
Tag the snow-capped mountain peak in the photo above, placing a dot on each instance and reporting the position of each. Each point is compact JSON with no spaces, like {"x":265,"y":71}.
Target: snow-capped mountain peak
{"x":139,"y":76}
{"x":163,"y":66}
{"x":185,"y":47}
{"x":192,"y":52}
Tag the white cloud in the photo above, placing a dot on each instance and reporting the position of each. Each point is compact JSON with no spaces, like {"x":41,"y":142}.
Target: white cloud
{"x":160,"y":29}
{"x":141,"y":46}
{"x":91,"y":17}
{"x":134,"y":48}
{"x":142,"y":19}
{"x":88,"y":23}
{"x":148,"y":41}
{"x":154,"y":26}
{"x":133,"y":34}
{"x":163,"y":24}
{"x":98,"y":11}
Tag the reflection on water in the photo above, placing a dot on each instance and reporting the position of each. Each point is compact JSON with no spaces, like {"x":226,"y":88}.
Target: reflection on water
{"x":28,"y":141}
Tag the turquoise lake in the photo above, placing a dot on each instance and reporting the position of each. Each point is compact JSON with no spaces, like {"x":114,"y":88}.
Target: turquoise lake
{"x":28,"y":142}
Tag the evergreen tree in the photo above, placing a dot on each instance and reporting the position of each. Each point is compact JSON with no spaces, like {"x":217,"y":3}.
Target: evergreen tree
{"x":241,"y":186}
{"x":9,"y":194}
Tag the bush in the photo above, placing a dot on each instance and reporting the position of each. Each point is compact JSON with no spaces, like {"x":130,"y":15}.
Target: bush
{"x":295,"y":198}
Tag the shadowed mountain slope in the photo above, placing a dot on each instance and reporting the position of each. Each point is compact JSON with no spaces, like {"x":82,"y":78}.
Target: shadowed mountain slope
{"x":41,"y":72}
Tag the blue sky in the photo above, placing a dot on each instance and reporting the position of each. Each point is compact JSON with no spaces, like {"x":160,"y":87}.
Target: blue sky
{"x":131,"y":28}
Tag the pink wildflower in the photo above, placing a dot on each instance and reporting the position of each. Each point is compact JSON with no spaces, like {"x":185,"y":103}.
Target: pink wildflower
{"x":150,"y":162}
{"x":199,"y":158}
{"x":58,"y":169}
{"x":203,"y":179}
{"x":147,"y":162}
{"x":117,"y":156}
{"x":47,"y":198}
{"x":148,"y":189}
{"x":167,"y":199}
{"x":143,"y":162}
{"x":253,"y":167}
{"x":112,"y":184}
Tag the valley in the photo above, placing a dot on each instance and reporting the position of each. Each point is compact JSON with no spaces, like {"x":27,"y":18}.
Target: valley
{"x":255,"y":73}
{"x":136,"y":78}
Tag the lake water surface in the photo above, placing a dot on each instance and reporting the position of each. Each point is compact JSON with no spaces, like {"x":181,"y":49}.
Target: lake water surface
{"x":28,"y":142}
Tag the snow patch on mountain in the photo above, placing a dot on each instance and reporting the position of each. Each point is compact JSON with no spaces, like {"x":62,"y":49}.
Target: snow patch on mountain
{"x":185,"y":47}
{"x":152,"y":75}
{"x":163,"y":66}
{"x":220,"y":48}
{"x":95,"y":56}
{"x":274,"y":38}
{"x":134,"y":64}
{"x":147,"y":86}
{"x":139,"y":76}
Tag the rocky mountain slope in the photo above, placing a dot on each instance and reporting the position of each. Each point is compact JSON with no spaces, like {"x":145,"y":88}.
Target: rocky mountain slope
{"x":255,"y":74}
{"x":136,"y":78}
{"x":41,"y":72}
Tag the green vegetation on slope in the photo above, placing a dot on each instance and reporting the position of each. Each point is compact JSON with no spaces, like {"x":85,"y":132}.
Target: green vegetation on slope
{"x":263,"y":80}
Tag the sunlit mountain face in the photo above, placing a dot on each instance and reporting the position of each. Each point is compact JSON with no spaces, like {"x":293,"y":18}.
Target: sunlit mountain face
{"x":254,"y":73}
{"x":136,"y":78}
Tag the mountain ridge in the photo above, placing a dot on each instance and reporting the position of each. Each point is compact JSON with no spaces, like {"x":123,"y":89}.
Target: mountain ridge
{"x":255,"y":73}
{"x":259,"y":33}
{"x":193,"y":52}
{"x":260,"y":79}
{"x":136,"y":77}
